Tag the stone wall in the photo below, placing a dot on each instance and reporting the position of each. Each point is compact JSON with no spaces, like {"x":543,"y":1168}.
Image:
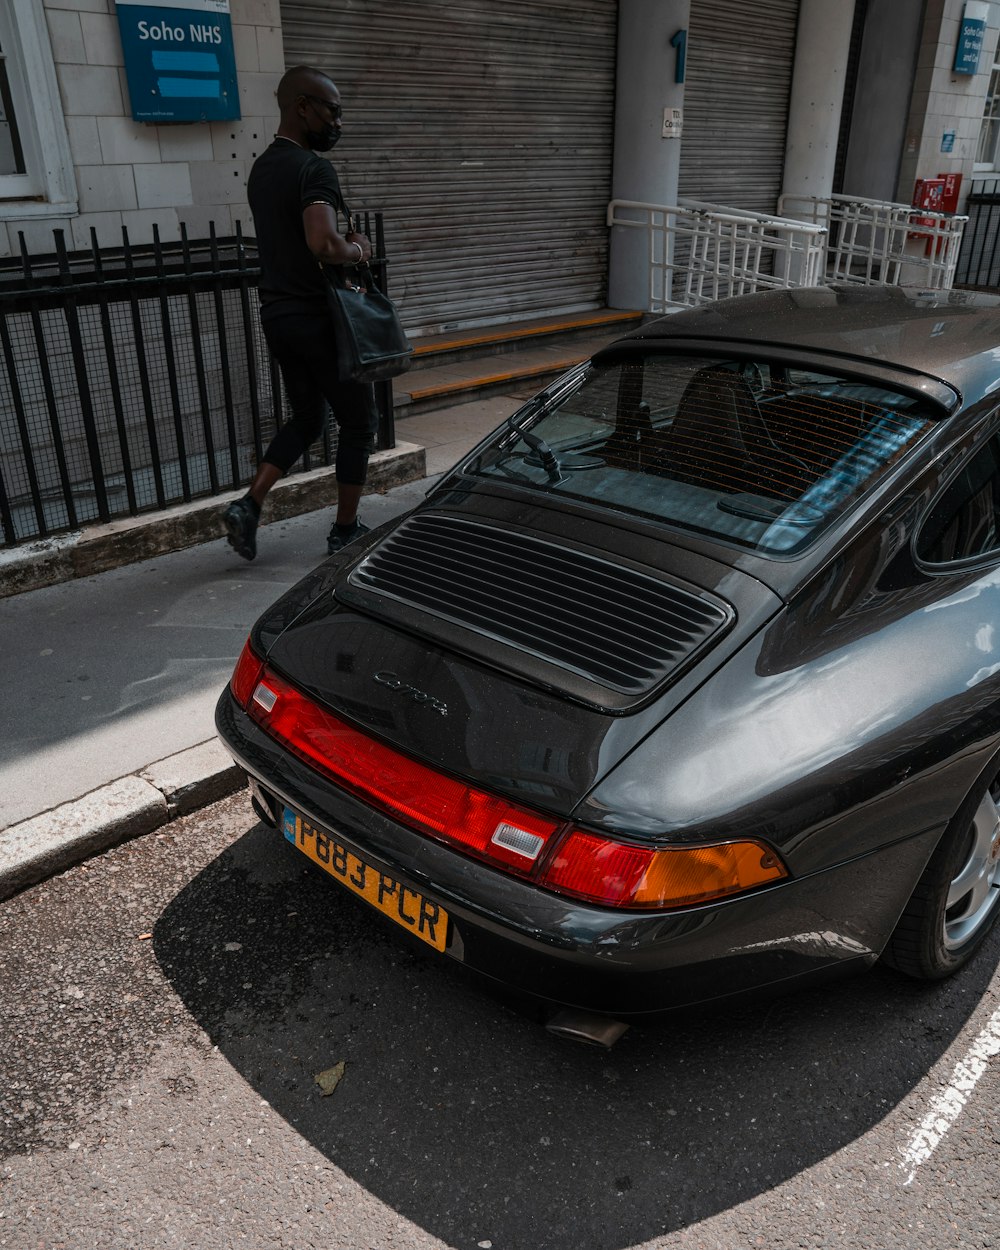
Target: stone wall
{"x":132,"y":174}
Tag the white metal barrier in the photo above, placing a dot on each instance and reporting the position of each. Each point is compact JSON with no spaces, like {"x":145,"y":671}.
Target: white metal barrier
{"x":877,"y":241}
{"x":700,"y":252}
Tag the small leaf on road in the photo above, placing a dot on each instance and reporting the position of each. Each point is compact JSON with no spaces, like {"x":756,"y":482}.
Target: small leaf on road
{"x":330,"y":1078}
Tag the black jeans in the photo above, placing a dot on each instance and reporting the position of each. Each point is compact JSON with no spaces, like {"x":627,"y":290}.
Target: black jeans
{"x":303,"y":347}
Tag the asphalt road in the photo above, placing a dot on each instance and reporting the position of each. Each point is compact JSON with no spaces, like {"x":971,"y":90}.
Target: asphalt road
{"x":168,"y":1006}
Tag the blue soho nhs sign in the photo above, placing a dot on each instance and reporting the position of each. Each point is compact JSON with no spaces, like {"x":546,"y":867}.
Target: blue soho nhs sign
{"x":179,"y":60}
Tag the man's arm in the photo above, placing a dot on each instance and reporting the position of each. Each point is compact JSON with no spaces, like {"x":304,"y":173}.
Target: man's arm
{"x":320,"y":224}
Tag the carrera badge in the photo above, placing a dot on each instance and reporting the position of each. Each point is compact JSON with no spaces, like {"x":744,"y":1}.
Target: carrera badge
{"x":393,"y":682}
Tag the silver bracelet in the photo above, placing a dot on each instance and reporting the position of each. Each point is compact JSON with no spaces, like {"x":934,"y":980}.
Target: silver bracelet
{"x":361,"y":252}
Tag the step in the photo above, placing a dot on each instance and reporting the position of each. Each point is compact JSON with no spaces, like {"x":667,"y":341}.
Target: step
{"x":526,"y":366}
{"x":457,"y":383}
{"x":434,"y":349}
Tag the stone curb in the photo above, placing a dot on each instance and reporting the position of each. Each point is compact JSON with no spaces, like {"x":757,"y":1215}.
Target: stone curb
{"x":100,"y":547}
{"x":55,"y":840}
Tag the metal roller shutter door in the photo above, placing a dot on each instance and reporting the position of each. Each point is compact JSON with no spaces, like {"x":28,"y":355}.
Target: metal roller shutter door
{"x":484,"y":133}
{"x":739,"y":76}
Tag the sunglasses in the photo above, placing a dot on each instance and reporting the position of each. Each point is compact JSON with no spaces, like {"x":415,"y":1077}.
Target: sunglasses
{"x":334,"y":109}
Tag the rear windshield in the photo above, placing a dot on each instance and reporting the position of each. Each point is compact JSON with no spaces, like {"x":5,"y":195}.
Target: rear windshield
{"x":754,"y":453}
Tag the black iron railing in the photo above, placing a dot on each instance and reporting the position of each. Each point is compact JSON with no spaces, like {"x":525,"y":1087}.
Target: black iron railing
{"x":979,"y":259}
{"x":137,"y":377}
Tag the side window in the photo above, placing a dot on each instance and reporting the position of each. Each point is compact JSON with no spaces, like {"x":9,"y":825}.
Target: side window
{"x":965,"y":521}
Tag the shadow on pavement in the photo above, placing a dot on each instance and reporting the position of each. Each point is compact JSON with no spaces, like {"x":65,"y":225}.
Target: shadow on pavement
{"x":85,"y":654}
{"x":467,"y":1118}
{"x":92,"y":654}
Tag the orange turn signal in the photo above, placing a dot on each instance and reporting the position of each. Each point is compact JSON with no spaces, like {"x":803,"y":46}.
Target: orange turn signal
{"x":617,"y":874}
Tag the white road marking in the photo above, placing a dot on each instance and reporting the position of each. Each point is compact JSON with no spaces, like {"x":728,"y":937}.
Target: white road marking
{"x":947,"y":1106}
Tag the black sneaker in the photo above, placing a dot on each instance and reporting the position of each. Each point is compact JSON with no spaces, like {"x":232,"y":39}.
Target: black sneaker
{"x":241,"y":528}
{"x":340,"y":536}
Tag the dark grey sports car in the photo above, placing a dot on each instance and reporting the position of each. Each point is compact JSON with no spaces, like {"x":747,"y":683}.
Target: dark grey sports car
{"x":686,"y":682}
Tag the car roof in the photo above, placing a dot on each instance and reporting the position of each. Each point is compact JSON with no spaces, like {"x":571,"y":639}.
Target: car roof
{"x":953,"y":336}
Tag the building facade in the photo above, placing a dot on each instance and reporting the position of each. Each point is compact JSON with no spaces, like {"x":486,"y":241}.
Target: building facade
{"x":492,"y":137}
{"x":85,"y":163}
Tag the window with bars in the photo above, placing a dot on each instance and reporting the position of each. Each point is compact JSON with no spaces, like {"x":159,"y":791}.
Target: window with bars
{"x":36,"y":171}
{"x":988,"y":148}
{"x":11,"y":151}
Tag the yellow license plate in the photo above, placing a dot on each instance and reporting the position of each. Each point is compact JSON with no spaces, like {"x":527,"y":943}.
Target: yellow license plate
{"x":423,"y":917}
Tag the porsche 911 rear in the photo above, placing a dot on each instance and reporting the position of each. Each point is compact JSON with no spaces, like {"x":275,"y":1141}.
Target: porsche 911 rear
{"x":444,"y":790}
{"x":565,"y":913}
{"x":474,"y":721}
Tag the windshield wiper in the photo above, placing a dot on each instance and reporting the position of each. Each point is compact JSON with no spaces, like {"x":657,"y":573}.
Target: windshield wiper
{"x":538,"y":445}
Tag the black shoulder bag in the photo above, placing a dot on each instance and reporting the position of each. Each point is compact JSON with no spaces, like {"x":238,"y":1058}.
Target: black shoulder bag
{"x":369,"y":341}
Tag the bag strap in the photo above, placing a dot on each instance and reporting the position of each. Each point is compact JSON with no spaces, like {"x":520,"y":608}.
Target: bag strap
{"x":362,"y":269}
{"x":348,"y":215}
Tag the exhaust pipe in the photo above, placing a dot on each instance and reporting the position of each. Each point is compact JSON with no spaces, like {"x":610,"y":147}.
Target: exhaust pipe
{"x":580,"y":1026}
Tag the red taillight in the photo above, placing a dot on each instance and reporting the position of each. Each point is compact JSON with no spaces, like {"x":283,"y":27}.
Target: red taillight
{"x":416,"y":795}
{"x":245,"y":675}
{"x":583,"y":864}
{"x":615,"y":874}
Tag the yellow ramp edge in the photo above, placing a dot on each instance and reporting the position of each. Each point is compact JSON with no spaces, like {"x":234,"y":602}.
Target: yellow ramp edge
{"x":494,"y":379}
{"x":517,"y":331}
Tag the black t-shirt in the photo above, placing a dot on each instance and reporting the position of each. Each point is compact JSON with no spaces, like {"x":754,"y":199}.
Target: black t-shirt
{"x":283,"y":181}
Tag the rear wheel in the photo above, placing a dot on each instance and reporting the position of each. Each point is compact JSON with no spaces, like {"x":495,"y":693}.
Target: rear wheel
{"x":957,"y":899}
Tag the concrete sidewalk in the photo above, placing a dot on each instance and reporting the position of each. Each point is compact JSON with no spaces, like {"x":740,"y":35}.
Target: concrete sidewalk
{"x":106,"y":730}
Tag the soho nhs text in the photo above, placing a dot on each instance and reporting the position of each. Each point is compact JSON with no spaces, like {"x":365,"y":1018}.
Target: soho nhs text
{"x":161,"y":31}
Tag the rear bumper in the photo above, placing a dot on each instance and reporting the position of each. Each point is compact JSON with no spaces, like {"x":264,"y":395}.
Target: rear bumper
{"x":627,"y":964}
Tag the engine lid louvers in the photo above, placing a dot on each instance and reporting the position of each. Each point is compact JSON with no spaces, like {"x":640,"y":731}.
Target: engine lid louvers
{"x":613,"y":625}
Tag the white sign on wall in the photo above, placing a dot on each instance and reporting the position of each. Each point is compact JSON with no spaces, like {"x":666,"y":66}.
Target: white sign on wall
{"x":673,"y":123}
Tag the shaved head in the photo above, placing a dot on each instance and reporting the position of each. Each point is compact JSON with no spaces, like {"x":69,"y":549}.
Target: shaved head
{"x":311,"y":115}
{"x":303,"y":80}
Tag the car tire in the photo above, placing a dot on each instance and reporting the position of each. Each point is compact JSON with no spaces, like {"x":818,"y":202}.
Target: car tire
{"x":957,"y":899}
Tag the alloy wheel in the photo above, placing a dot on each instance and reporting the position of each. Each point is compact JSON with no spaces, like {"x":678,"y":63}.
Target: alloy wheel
{"x":974,"y":893}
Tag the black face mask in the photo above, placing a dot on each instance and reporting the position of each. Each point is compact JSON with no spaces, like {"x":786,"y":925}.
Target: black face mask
{"x":322,"y":140}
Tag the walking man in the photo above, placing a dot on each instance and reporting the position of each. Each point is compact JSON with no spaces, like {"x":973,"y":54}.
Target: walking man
{"x":294,"y":195}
